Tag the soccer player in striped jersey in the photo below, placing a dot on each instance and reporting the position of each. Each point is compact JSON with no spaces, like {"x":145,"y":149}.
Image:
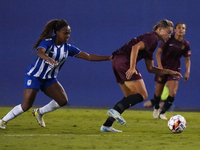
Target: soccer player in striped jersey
{"x":128,"y":76}
{"x":52,"y":51}
{"x":168,"y":57}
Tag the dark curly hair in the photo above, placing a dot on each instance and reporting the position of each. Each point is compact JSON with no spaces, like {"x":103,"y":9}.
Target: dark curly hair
{"x":50,"y":27}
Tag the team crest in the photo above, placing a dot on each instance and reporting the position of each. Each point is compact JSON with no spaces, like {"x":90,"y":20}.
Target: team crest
{"x":29,"y":82}
{"x":183,"y":47}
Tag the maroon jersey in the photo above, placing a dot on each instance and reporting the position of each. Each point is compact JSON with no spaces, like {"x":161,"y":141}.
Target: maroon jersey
{"x":121,"y":57}
{"x":173,"y":50}
{"x":150,"y":40}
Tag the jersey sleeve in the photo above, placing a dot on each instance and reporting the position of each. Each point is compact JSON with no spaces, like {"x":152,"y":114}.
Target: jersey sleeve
{"x":187,"y":50}
{"x":73,"y":50}
{"x":162,"y":45}
{"x":45,"y":43}
{"x":150,"y":42}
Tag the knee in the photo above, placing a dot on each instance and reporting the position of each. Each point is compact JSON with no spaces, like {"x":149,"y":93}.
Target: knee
{"x":145,"y":96}
{"x":26,"y":107}
{"x":63,"y":103}
{"x":172,"y":94}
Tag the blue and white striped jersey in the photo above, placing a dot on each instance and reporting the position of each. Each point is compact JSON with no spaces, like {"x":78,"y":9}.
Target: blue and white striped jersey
{"x":41,"y":68}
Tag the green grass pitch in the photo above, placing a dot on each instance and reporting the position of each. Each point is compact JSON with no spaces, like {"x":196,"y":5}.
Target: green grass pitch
{"x":76,"y":129}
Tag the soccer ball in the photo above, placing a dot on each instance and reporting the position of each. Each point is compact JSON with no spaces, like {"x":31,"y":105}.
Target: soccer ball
{"x":177,"y":124}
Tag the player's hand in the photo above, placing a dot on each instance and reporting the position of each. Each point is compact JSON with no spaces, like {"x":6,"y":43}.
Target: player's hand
{"x":186,"y":76}
{"x":175,"y":74}
{"x":52,"y":62}
{"x":111,"y":58}
{"x":130,"y":72}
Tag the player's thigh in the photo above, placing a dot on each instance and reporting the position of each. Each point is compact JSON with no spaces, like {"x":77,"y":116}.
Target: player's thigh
{"x":173,"y":87}
{"x":159,"y":89}
{"x":134,"y":87}
{"x":57,"y":92}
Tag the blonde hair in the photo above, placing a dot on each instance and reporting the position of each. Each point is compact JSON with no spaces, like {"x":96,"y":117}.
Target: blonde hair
{"x":163,"y":24}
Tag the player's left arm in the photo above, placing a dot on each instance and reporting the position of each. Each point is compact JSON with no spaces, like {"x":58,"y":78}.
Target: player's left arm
{"x":93,"y":57}
{"x":152,"y":69}
{"x":187,"y":65}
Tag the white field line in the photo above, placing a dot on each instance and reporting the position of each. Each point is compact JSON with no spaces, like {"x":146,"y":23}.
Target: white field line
{"x":32,"y":135}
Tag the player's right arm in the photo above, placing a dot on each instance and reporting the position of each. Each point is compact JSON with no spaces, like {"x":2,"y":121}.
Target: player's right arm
{"x":41,"y":53}
{"x":133,"y":58}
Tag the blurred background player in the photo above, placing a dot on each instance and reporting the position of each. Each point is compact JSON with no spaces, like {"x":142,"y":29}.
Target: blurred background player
{"x":165,"y":93}
{"x":168,"y":57}
{"x":52,"y":51}
{"x":127,"y":74}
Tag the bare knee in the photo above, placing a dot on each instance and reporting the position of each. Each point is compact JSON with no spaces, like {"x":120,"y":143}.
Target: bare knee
{"x":144,"y":95}
{"x":25,"y":106}
{"x":62,"y":103}
{"x":173,"y":93}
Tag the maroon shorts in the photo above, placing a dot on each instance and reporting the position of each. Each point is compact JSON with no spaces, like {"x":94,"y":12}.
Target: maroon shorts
{"x":120,"y":66}
{"x":162,"y":79}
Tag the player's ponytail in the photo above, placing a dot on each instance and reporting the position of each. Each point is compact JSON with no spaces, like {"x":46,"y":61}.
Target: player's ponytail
{"x":163,"y":24}
{"x":51,"y":26}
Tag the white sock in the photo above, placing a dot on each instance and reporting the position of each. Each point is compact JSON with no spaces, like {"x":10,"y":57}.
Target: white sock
{"x":51,"y":106}
{"x":16,"y":111}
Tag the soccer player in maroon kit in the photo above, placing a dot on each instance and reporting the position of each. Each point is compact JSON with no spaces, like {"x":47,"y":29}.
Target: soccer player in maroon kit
{"x":128,"y":76}
{"x":168,"y":57}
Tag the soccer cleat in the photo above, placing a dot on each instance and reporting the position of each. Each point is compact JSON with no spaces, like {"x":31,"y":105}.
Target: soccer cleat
{"x":108,"y":129}
{"x":2,"y":124}
{"x":162,"y":116}
{"x":113,"y":113}
{"x":38,"y":117}
{"x":156,"y":113}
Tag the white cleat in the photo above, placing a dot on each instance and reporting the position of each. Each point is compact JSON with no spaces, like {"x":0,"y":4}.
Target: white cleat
{"x":2,"y":124}
{"x":108,"y":129}
{"x":162,"y":116}
{"x":38,"y":117}
{"x":113,"y":113}
{"x":156,"y":113}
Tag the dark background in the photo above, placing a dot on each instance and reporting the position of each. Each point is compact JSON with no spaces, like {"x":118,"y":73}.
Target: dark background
{"x":98,"y":26}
